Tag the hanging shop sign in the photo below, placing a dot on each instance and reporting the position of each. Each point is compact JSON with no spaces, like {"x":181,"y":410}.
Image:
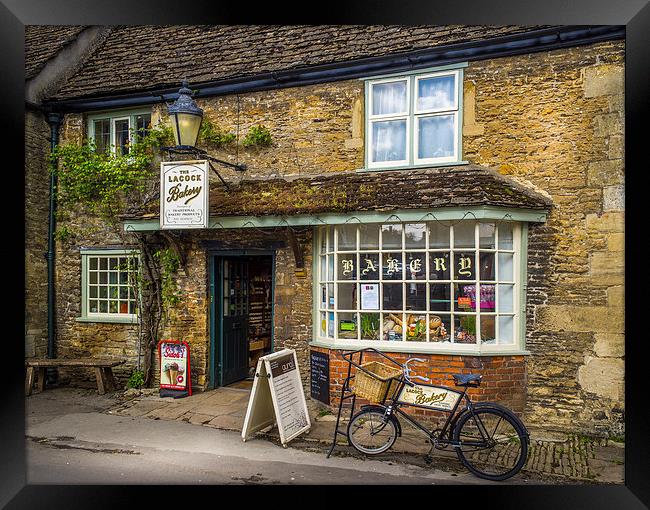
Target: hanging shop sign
{"x":184,"y":194}
{"x":319,"y":364}
{"x":277,"y":398}
{"x":174,"y":358}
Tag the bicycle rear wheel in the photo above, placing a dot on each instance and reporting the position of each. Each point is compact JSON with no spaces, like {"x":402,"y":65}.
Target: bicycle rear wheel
{"x":371,"y":433}
{"x":494,"y":445}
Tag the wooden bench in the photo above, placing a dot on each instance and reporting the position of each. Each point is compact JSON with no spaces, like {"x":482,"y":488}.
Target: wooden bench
{"x":103,"y":371}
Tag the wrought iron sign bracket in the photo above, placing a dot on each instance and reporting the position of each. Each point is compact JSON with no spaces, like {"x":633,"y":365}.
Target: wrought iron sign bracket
{"x":201,"y":154}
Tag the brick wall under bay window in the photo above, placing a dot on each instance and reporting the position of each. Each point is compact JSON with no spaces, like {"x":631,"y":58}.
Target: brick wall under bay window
{"x":504,"y":377}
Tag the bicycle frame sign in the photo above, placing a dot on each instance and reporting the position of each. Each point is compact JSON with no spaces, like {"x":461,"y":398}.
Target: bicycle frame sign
{"x":428,"y":396}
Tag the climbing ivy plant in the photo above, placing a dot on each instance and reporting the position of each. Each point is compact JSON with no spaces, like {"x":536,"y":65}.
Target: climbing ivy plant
{"x":107,"y":184}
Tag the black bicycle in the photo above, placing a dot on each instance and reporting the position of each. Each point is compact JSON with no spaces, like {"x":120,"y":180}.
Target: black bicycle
{"x":490,"y":440}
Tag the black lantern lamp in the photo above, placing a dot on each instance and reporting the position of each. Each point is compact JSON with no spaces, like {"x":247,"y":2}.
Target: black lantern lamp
{"x":186,"y":118}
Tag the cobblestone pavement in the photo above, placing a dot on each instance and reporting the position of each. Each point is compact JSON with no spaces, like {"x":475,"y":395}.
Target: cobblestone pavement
{"x":578,"y":459}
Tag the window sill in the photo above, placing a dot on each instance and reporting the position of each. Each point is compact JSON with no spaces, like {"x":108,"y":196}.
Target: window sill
{"x":109,"y":320}
{"x":410,"y":347}
{"x":411,"y":167}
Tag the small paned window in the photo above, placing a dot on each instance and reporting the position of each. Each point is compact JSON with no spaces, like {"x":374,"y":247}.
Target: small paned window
{"x":114,"y":132}
{"x":108,"y":284}
{"x":413,"y":120}
{"x":428,"y":282}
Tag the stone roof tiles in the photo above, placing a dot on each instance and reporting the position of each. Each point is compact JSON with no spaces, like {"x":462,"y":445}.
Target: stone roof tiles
{"x":429,"y":188}
{"x":42,"y":42}
{"x":145,"y":57}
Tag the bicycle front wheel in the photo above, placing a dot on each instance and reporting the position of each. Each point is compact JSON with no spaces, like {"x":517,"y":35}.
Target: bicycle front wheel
{"x":493,"y":444}
{"x":371,"y":432}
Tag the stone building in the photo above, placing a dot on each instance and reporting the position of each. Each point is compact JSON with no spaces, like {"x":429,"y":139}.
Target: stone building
{"x":452,"y":193}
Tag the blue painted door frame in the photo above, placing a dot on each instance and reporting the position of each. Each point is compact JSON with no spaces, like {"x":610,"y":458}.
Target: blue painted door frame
{"x":215,"y":311}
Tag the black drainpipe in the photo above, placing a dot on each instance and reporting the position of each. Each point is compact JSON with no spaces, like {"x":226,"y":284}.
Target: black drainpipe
{"x":54,"y":120}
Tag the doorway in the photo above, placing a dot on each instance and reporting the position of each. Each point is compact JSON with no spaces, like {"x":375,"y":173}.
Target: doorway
{"x":241,"y":285}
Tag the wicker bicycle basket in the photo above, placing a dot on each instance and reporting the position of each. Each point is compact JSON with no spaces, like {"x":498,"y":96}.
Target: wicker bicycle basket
{"x":372,"y":386}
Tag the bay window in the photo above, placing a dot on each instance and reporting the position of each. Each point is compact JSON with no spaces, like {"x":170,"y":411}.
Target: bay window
{"x":440,"y":284}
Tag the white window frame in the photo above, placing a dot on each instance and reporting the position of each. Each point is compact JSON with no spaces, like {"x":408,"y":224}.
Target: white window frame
{"x":86,"y":315}
{"x":113,"y":116}
{"x":518,"y":302}
{"x":412,"y":115}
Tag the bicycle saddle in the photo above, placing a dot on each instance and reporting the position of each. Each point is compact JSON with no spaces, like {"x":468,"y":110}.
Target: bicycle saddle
{"x":473,"y":380}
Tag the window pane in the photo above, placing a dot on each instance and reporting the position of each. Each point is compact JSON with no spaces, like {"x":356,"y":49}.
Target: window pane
{"x":121,"y":136}
{"x":112,"y":264}
{"x":486,"y":233}
{"x":323,"y":296}
{"x":438,"y":235}
{"x":392,"y":266}
{"x":388,"y":98}
{"x":347,"y":325}
{"x":416,"y":296}
{"x":347,"y":237}
{"x":505,"y":267}
{"x":506,"y":326}
{"x":92,"y":277}
{"x":369,"y":237}
{"x":437,"y":93}
{"x":103,"y":307}
{"x":436,"y":136}
{"x":391,"y":236}
{"x":439,"y":328}
{"x":487,"y":266}
{"x":389,"y":140}
{"x":93,"y":262}
{"x":369,"y":266}
{"x":347,"y":269}
{"x":330,"y":239}
{"x":92,"y":291}
{"x":142,"y":123}
{"x":323,"y":323}
{"x":488,"y":335}
{"x":415,"y":235}
{"x":94,"y":306}
{"x":439,"y":297}
{"x":330,"y":264}
{"x":112,"y":277}
{"x":102,"y":134}
{"x":464,"y":266}
{"x":124,"y":293}
{"x":103,"y":263}
{"x":323,"y":268}
{"x":416,"y":328}
{"x":330,"y":324}
{"x":124,"y":278}
{"x":392,"y":296}
{"x":439,"y":266}
{"x":488,"y":303}
{"x":124,"y":307}
{"x":112,"y":307}
{"x":464,"y":235}
{"x":330,"y":295}
{"x":465,"y":329}
{"x":347,"y":296}
{"x":369,"y":326}
{"x":505,"y":236}
{"x":132,"y":308}
{"x":506,"y":293}
{"x":103,"y":278}
{"x":416,"y":266}
{"x":465,"y":297}
{"x":103,"y":292}
{"x":323,"y":239}
{"x":393,"y":326}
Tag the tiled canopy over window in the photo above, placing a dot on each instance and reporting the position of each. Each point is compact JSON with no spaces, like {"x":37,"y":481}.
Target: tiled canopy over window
{"x":435,"y":283}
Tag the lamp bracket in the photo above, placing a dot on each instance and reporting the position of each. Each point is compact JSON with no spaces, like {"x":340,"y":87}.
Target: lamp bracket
{"x":201,"y":154}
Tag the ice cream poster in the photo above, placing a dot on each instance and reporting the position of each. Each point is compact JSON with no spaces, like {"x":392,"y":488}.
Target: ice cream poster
{"x":174,"y":365}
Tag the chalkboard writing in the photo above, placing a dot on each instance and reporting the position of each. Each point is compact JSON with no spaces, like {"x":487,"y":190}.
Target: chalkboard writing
{"x":320,"y":376}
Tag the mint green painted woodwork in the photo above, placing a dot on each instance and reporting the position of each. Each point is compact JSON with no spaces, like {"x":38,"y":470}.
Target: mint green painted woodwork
{"x":314,"y":220}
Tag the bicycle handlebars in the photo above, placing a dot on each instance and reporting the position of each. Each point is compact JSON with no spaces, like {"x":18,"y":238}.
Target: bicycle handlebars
{"x":407,"y":371}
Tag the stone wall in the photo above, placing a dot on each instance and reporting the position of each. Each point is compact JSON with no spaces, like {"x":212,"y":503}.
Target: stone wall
{"x":37,"y":186}
{"x":554,"y":119}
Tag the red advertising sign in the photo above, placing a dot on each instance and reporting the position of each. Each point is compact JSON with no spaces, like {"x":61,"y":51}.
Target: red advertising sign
{"x":174,"y":356}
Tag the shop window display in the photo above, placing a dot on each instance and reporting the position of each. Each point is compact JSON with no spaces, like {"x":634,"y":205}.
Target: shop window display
{"x":426,"y":282}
